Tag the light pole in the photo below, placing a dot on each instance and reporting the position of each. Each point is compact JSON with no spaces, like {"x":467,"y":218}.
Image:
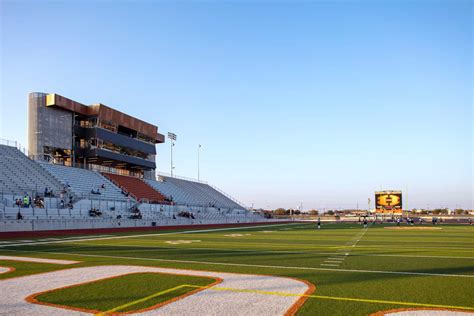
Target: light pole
{"x":199,"y":149}
{"x":172,"y":138}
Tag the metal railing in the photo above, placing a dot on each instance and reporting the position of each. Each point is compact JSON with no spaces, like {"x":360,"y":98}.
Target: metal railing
{"x":229,"y":197}
{"x":164,"y":174}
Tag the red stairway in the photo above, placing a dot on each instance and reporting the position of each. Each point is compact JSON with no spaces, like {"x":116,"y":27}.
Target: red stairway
{"x":137,"y":188}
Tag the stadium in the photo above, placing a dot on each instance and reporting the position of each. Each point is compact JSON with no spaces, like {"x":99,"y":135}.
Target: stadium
{"x":87,"y":226}
{"x":267,"y":158}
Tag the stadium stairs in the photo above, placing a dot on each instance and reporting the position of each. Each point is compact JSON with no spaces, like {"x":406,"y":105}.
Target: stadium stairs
{"x":136,"y":187}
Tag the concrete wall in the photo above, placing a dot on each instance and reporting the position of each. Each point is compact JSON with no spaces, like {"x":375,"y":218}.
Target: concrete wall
{"x":41,"y":225}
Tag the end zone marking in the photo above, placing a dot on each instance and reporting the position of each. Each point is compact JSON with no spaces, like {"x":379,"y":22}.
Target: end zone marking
{"x":341,"y":298}
{"x":6,"y":270}
{"x":141,"y":300}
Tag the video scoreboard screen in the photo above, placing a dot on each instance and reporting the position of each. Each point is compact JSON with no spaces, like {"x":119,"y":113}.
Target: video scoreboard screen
{"x":388,"y":201}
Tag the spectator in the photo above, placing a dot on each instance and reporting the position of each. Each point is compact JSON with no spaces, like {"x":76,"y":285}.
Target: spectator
{"x":25,"y":201}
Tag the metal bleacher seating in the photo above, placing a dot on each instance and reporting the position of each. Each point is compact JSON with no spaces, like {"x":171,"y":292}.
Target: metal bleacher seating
{"x":186,"y":192}
{"x":82,"y":181}
{"x":19,"y":174}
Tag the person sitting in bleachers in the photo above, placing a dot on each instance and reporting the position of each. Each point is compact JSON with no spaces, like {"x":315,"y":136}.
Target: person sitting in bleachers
{"x":19,"y":216}
{"x":70,"y":204}
{"x":95,"y":191}
{"x":136,"y":215}
{"x":39,"y":202}
{"x":95,"y":212}
{"x":26,"y":201}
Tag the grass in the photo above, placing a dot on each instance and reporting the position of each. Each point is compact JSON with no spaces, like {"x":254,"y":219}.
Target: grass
{"x":414,"y":266}
{"x":107,"y":294}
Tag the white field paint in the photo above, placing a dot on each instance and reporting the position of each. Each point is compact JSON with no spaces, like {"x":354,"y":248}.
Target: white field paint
{"x":4,"y":270}
{"x":178,"y":242}
{"x":237,"y":235}
{"x":64,"y":240}
{"x":227,"y":250}
{"x":39,"y":260}
{"x":206,"y":302}
{"x":351,"y":243}
{"x":255,"y":265}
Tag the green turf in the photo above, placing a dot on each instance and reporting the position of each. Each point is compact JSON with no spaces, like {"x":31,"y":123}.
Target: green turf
{"x":104,"y":295}
{"x":424,"y":267}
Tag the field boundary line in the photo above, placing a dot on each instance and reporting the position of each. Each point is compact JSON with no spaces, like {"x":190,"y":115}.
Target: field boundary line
{"x":63,"y":240}
{"x":253,"y":265}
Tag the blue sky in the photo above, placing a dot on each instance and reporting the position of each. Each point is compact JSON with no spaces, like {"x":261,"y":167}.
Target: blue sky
{"x":319,"y":103}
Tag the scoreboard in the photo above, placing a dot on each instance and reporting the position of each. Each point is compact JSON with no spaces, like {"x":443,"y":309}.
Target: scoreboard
{"x":388,"y":201}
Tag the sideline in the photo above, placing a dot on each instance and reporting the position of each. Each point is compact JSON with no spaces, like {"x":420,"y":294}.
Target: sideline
{"x":254,"y":265}
{"x":144,"y":235}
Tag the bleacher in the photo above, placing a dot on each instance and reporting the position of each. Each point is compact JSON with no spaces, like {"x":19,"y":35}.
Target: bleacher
{"x":193,"y":202}
{"x":184,"y":192}
{"x":139,"y":189}
{"x":82,"y":182}
{"x":19,"y":174}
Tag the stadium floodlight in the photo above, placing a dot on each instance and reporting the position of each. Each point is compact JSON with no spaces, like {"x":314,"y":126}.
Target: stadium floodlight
{"x":172,"y":137}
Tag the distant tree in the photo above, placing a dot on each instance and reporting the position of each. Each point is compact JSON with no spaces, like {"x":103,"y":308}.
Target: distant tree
{"x":279,"y":211}
{"x":459,"y":211}
{"x":330,"y":212}
{"x":313,"y":212}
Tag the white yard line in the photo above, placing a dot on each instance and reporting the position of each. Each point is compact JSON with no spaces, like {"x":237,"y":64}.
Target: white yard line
{"x":206,"y":302}
{"x":351,"y":243}
{"x":39,"y":260}
{"x":342,"y":256}
{"x":255,"y":265}
{"x":64,"y":240}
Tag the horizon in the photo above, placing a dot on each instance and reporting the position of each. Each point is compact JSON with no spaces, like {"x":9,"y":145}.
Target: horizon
{"x":319,"y":104}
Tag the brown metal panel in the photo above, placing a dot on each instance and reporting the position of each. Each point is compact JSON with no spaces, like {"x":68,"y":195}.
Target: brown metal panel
{"x":105,"y":113}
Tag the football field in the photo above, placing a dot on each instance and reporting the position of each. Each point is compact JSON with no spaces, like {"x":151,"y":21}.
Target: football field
{"x":343,"y":269}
